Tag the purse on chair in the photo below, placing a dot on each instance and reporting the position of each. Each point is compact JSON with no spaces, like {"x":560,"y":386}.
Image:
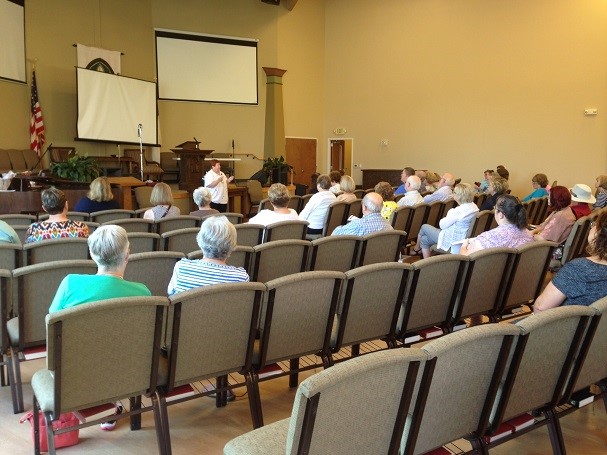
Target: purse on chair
{"x":66,"y":420}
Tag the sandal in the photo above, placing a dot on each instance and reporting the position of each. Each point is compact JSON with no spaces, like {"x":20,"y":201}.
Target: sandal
{"x":415,"y":252}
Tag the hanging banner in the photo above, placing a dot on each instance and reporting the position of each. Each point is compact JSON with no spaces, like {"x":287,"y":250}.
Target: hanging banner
{"x":94,"y":58}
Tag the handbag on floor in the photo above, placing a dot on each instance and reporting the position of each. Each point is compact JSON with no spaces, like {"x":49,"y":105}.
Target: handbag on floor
{"x":66,"y":420}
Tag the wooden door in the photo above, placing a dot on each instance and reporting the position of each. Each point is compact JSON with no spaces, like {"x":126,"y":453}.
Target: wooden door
{"x":338,"y":147}
{"x":301,"y":154}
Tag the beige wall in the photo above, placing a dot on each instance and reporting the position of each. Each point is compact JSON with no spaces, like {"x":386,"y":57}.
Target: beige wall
{"x":459,"y":85}
{"x":465,"y":85}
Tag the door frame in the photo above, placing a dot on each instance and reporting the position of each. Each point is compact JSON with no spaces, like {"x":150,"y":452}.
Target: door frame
{"x":348,"y":153}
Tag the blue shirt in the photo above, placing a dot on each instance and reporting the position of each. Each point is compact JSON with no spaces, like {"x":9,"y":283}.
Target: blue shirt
{"x":400,"y":190}
{"x":372,"y":222}
{"x":537,"y":193}
{"x":582,"y":281}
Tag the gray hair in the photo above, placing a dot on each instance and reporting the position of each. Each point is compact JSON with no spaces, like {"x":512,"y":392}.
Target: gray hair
{"x":202,"y":196}
{"x":373,"y":202}
{"x":217,"y":237}
{"x":414,"y":182}
{"x":278,"y":194}
{"x":109,"y":246}
{"x":464,"y":192}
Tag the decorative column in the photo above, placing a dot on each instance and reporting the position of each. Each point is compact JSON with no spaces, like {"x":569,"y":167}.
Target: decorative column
{"x":274,"y":139}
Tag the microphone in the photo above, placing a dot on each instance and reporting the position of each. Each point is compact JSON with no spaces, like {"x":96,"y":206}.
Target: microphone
{"x":41,"y":156}
{"x":196,"y":140}
{"x":139,"y":127}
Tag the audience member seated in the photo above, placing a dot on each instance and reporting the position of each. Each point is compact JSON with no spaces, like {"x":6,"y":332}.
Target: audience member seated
{"x":412,"y":196}
{"x":313,"y":183}
{"x":109,"y":248}
{"x":162,"y":201}
{"x":279,"y":198}
{"x":335,"y":177}
{"x":217,"y":240}
{"x":407,"y":172}
{"x":372,"y":220}
{"x":601,"y":192}
{"x":503,"y":172}
{"x":347,"y":186}
{"x":444,"y":191}
{"x":558,"y":225}
{"x":539,"y":182}
{"x":316,"y":210}
{"x":8,"y":234}
{"x":202,"y":199}
{"x":431,"y":182}
{"x":511,"y":230}
{"x":453,"y":227}
{"x":422,"y":176}
{"x":483,"y":185}
{"x":497,"y":187}
{"x":57,"y":225}
{"x":384,"y":189}
{"x":581,"y":198}
{"x":99,"y":197}
{"x":581,"y":281}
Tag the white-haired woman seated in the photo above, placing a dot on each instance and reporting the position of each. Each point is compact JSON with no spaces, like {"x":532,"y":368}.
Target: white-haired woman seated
{"x":217,"y":240}
{"x":278,"y":194}
{"x":347,"y":187}
{"x":202,"y":199}
{"x":454,"y":226}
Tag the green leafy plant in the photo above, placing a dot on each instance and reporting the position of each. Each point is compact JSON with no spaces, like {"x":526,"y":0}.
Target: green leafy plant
{"x":78,"y":168}
{"x":277,"y":169}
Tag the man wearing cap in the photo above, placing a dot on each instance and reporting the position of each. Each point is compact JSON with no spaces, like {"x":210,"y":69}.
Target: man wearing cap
{"x":581,"y":198}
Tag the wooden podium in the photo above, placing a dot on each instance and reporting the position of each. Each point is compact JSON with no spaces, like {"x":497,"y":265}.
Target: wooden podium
{"x":192,"y":166}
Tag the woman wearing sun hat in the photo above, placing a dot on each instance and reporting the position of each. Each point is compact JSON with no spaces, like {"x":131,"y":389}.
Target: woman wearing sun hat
{"x":581,"y":198}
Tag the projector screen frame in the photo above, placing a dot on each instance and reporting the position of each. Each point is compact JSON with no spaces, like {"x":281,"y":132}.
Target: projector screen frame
{"x":14,"y":47}
{"x":121,"y":140}
{"x":251,"y":97}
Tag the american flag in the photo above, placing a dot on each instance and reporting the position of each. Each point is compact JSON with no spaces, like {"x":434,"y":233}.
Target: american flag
{"x":37,"y":138}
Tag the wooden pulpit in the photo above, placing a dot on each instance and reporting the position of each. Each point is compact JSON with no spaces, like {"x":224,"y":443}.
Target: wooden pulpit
{"x":192,"y":166}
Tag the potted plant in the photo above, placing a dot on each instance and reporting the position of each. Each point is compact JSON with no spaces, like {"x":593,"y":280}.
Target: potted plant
{"x":278,"y":169}
{"x":78,"y":168}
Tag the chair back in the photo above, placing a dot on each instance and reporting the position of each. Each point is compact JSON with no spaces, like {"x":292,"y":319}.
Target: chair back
{"x":358,"y":320}
{"x":541,"y":210}
{"x":577,"y":240}
{"x":484,"y":284}
{"x":355,"y":209}
{"x":183,"y":240}
{"x":417,"y":220}
{"x":10,"y":256}
{"x":233,"y":217}
{"x":18,"y":219}
{"x":34,"y":287}
{"x":336,"y":252}
{"x":402,"y":217}
{"x":338,"y":212}
{"x":433,"y":213}
{"x":264,"y":204}
{"x":153,"y":269}
{"x":286,"y":230}
{"x":465,"y":368}
{"x":143,"y":242}
{"x":173,"y":223}
{"x":381,"y":246}
{"x":359,"y":193}
{"x":6,"y":308}
{"x":297,"y":315}
{"x":143,"y":195}
{"x":295,"y":203}
{"x":77,"y":216}
{"x":432,"y":291}
{"x":21,"y":230}
{"x":592,"y":367}
{"x":55,"y":250}
{"x":128,"y":336}
{"x":278,"y":258}
{"x":213,"y":331}
{"x":528,"y":272}
{"x":104,"y":216}
{"x":340,"y":411}
{"x":133,"y":224}
{"x":248,"y":234}
{"x":480,"y":223}
{"x":479,"y":199}
{"x":254,"y":190}
{"x":542,"y":361}
{"x":446,"y":206}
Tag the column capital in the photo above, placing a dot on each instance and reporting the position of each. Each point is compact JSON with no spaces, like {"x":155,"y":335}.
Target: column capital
{"x":273,"y":71}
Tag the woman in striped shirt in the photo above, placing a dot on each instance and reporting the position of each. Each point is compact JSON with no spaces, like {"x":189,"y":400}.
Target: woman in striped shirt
{"x":216,"y":239}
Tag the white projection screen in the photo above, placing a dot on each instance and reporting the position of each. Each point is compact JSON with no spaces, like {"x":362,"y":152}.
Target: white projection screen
{"x":110,"y":108}
{"x":12,"y":40}
{"x":193,"y":67}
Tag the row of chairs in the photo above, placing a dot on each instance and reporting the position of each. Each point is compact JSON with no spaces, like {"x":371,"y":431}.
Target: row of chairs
{"x":537,"y":209}
{"x":464,"y":385}
{"x":438,"y":291}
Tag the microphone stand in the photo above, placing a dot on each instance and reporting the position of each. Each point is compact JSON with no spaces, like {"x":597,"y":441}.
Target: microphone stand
{"x":41,"y":156}
{"x":140,"y":150}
